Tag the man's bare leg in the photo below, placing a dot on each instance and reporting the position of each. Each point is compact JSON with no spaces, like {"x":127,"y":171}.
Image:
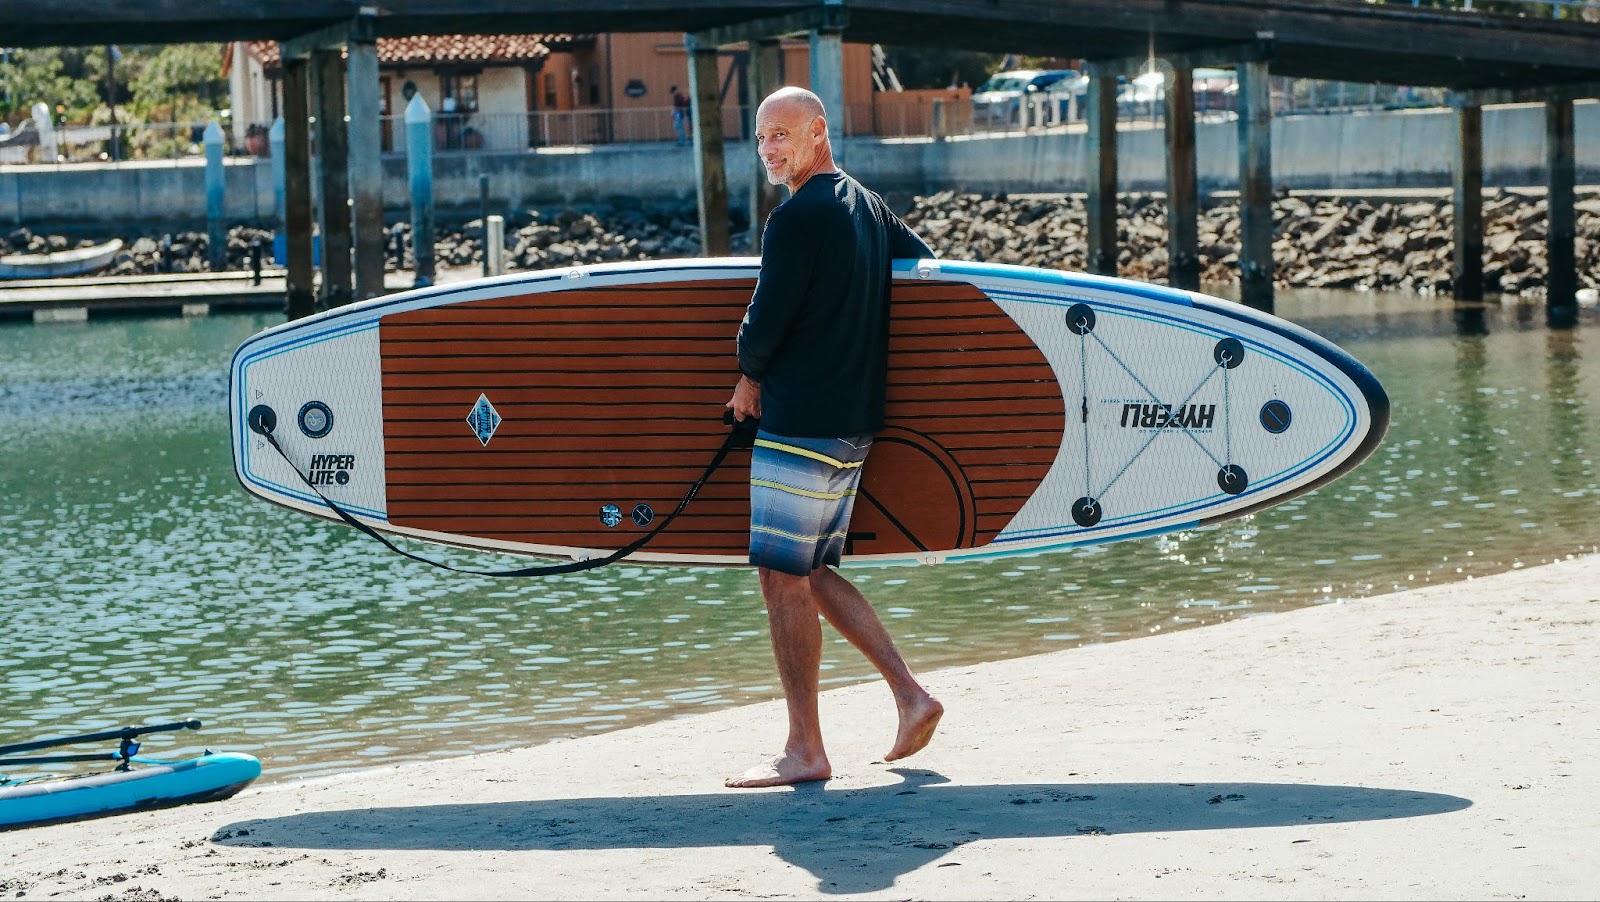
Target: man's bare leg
{"x":852,"y":615}
{"x":797,"y":647}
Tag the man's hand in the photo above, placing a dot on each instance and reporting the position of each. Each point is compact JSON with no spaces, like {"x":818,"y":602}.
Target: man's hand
{"x":746,"y":402}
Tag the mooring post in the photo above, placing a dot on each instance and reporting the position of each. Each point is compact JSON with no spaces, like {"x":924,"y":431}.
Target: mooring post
{"x":419,"y":166}
{"x":365,"y":141}
{"x":483,"y":217}
{"x":1561,"y":281}
{"x":333,"y":145}
{"x":1255,"y":186}
{"x":275,"y":148}
{"x":1183,"y":195}
{"x":1466,"y":266}
{"x":710,"y":169}
{"x":1100,"y":256}
{"x":216,"y":193}
{"x":494,"y":244}
{"x":299,"y":300}
{"x":766,"y":76}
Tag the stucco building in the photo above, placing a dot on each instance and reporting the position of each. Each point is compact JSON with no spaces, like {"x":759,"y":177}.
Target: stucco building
{"x":514,"y":92}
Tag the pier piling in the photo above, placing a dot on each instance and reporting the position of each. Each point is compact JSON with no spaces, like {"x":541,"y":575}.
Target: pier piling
{"x":216,"y":196}
{"x":1100,"y":255}
{"x":419,"y":166}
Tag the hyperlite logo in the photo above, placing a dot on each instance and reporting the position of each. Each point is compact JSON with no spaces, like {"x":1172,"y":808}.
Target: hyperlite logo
{"x":331,"y":469}
{"x":1162,"y":416}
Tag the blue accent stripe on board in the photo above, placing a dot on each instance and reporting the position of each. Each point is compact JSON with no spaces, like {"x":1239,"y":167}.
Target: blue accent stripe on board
{"x":1070,"y":280}
{"x":991,"y":552}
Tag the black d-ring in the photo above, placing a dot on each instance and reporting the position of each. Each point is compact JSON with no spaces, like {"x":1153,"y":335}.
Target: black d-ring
{"x":1080,"y":319}
{"x":1228,"y":353}
{"x":1232,"y":479}
{"x":262,"y":419}
{"x":1086,"y":512}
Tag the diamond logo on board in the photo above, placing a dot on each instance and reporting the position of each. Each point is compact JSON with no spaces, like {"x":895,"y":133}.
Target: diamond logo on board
{"x":484,"y":420}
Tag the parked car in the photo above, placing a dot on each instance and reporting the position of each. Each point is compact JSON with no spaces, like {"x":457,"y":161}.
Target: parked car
{"x":1215,"y":90}
{"x":1145,"y":95}
{"x":1067,"y":96}
{"x":999,"y":100}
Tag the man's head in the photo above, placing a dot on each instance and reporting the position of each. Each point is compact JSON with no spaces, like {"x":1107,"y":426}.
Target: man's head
{"x":792,"y":137}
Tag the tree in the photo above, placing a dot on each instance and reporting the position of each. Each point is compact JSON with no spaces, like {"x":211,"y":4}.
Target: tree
{"x":52,"y":75}
{"x":937,"y":67}
{"x":180,"y":83}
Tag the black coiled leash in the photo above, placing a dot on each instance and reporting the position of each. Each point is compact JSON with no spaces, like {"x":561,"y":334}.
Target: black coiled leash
{"x":263,"y":421}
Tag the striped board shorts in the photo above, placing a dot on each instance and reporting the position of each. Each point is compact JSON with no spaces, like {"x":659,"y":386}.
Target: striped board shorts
{"x":802,"y":491}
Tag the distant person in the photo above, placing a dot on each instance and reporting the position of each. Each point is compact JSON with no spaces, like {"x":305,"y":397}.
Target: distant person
{"x":813,"y":353}
{"x":680,"y":115}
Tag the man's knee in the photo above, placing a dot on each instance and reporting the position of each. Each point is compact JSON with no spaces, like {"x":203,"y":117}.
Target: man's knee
{"x":777,"y":584}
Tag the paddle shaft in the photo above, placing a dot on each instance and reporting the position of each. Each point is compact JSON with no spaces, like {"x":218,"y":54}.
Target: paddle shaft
{"x":62,"y":759}
{"x":123,"y":733}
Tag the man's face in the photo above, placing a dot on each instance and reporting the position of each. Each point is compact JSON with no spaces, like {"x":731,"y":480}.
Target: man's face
{"x":787,"y":141}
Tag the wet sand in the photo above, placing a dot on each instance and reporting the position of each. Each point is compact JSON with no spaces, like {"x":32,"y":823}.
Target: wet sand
{"x":1432,"y":744}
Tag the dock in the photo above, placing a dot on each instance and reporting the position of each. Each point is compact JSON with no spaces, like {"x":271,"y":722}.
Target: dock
{"x":179,"y":294}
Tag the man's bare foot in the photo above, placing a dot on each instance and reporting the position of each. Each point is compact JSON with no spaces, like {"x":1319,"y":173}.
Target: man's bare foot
{"x":784,"y":770}
{"x":917,"y":723}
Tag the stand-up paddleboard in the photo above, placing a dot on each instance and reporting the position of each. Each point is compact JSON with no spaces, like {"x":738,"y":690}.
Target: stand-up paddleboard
{"x":211,"y":777}
{"x":31,"y":801}
{"x":559,"y":413}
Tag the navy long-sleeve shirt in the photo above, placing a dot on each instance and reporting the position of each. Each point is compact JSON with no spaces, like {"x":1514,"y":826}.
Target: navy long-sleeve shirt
{"x":816,"y":333}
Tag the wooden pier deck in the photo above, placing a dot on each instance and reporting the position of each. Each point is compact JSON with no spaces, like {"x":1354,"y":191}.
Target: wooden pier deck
{"x":186,"y":294}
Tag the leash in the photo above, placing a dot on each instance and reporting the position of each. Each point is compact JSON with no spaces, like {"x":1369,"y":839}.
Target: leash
{"x":741,"y":435}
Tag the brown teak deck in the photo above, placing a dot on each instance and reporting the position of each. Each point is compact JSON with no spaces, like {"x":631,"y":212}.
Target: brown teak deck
{"x":615,"y":396}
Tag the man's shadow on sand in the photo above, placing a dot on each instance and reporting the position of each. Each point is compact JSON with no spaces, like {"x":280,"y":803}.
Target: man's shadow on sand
{"x":853,"y":841}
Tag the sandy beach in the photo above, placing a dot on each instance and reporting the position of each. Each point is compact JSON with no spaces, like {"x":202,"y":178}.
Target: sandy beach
{"x":1431,"y":744}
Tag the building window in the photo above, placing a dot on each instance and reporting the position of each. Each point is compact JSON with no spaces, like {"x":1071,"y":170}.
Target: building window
{"x":550,"y":100}
{"x":460,"y":92}
{"x":594,"y":85}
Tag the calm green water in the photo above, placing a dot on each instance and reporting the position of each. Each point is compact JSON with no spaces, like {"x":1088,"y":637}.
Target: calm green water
{"x":139,"y":583}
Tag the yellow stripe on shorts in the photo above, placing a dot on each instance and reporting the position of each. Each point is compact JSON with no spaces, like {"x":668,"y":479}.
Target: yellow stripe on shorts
{"x":789,"y":535}
{"x":807,"y":493}
{"x":807,"y":452}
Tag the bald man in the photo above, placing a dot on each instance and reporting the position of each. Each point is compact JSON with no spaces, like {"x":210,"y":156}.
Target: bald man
{"x":813,"y":358}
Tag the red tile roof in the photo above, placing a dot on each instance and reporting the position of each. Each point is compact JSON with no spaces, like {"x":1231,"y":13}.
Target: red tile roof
{"x":449,"y":48}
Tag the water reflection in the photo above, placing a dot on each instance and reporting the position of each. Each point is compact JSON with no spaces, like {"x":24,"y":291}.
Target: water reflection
{"x":140,"y":583}
{"x":1471,"y":319}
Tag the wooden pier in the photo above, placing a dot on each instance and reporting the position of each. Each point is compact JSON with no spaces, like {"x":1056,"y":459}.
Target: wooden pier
{"x":198,"y":294}
{"x":186,"y":294}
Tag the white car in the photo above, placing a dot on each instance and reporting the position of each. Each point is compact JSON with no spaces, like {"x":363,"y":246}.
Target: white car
{"x":997,"y":102}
